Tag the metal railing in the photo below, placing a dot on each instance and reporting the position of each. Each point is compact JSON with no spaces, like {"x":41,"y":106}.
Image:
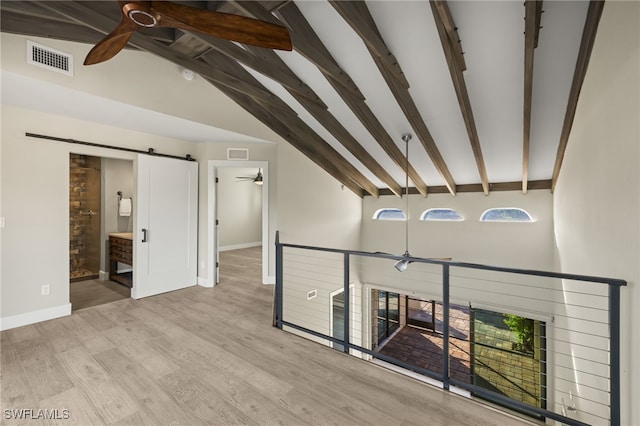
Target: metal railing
{"x":576,"y":367}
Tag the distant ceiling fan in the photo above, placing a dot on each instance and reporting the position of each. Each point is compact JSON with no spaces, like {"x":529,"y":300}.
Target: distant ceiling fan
{"x":257,"y":179}
{"x":137,"y":15}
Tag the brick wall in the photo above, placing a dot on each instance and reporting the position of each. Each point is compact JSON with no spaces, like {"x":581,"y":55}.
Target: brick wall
{"x":84,"y":181}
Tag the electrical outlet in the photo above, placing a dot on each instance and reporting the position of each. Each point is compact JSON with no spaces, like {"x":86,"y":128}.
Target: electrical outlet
{"x":45,"y":290}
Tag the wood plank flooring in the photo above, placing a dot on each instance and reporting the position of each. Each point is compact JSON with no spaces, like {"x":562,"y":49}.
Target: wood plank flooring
{"x":207,"y":356}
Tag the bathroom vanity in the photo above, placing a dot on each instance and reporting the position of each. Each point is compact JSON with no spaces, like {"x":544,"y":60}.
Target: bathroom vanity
{"x":121,"y":251}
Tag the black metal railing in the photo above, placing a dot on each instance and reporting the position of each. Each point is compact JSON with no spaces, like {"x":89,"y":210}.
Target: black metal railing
{"x":304,"y":268}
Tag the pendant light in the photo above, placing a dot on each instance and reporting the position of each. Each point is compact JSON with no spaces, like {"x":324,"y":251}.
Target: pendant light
{"x":401,"y":265}
{"x":258,"y":179}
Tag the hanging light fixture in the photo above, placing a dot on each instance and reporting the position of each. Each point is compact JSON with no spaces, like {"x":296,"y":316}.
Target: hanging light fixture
{"x":258,"y":179}
{"x":401,"y":265}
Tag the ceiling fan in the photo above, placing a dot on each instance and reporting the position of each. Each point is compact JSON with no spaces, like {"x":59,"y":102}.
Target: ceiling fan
{"x":257,"y":179}
{"x":137,"y":15}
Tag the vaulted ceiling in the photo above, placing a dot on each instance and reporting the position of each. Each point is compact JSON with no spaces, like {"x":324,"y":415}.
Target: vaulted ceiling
{"x":487,"y":89}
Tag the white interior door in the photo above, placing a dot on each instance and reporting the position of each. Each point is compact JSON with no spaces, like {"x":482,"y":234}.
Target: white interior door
{"x":165,"y":230}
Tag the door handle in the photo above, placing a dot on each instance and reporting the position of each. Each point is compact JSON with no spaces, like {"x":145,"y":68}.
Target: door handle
{"x":144,"y":235}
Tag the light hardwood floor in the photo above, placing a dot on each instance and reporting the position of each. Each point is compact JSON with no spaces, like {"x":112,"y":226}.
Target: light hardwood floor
{"x":208,"y":356}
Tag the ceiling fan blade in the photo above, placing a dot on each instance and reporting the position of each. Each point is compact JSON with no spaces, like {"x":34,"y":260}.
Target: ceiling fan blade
{"x":223,"y":25}
{"x":113,"y":43}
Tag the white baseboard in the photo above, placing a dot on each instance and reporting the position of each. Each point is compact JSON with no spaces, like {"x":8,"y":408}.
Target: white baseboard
{"x":33,"y":317}
{"x":204,"y":282}
{"x":103,"y":276}
{"x":239,"y":246}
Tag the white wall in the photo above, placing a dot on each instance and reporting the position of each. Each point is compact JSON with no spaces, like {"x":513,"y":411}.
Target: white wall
{"x":35,"y":202}
{"x":468,"y":240}
{"x":239,"y":208}
{"x":596,"y":201}
{"x":313,"y":209}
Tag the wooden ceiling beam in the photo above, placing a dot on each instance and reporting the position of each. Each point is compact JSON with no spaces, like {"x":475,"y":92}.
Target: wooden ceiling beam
{"x":453,"y":54}
{"x":584,"y":54}
{"x":32,"y":10}
{"x":338,"y":131}
{"x":299,"y":42}
{"x":270,"y":69}
{"x":321,"y":113}
{"x":358,"y":16}
{"x":298,"y":132}
{"x":533,"y":10}
{"x":477,"y":187}
{"x":104,"y":24}
{"x":314,"y":50}
{"x":441,"y":10}
{"x":15,"y":23}
{"x":35,"y":11}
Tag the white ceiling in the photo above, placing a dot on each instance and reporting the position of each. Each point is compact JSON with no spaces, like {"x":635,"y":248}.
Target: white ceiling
{"x":26,"y":92}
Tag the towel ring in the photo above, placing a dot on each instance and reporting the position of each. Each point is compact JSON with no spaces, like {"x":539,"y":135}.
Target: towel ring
{"x":120,"y":196}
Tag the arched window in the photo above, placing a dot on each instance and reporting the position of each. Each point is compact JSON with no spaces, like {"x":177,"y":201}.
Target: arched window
{"x":506,"y":214}
{"x":441,"y":214}
{"x":389,"y":214}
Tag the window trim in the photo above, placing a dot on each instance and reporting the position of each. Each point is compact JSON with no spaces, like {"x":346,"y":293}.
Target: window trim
{"x":482,"y":219}
{"x":376,"y":215}
{"x":424,"y":214}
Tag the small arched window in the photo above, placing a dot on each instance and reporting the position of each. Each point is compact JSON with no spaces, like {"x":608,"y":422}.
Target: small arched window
{"x":389,"y":214}
{"x":506,"y":214}
{"x":441,"y":214}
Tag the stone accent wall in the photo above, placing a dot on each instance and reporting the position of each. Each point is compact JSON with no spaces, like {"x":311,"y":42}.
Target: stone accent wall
{"x":84,"y":215}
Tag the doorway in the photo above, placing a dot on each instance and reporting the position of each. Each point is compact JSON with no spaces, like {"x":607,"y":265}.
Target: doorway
{"x":232,"y":170}
{"x":239,"y":216}
{"x":93,"y":215}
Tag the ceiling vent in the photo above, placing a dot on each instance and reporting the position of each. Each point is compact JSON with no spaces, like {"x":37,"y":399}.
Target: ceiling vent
{"x":237,"y":154}
{"x":49,"y":58}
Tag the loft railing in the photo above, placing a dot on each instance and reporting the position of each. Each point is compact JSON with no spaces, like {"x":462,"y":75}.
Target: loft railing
{"x":542,"y":343}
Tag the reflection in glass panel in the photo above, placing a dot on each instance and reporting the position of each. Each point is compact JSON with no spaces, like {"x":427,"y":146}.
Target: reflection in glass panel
{"x":509,"y":355}
{"x":388,"y":313}
{"x":394,"y":314}
{"x":382,"y":304}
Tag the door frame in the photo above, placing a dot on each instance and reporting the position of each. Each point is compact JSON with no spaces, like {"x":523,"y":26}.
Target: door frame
{"x":212,"y":213}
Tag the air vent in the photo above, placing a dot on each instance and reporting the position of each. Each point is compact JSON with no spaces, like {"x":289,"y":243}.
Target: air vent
{"x":237,"y":153}
{"x":49,"y":58}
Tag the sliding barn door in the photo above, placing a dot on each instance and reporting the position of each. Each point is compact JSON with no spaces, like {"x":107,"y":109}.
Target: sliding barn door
{"x":165,"y":234}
